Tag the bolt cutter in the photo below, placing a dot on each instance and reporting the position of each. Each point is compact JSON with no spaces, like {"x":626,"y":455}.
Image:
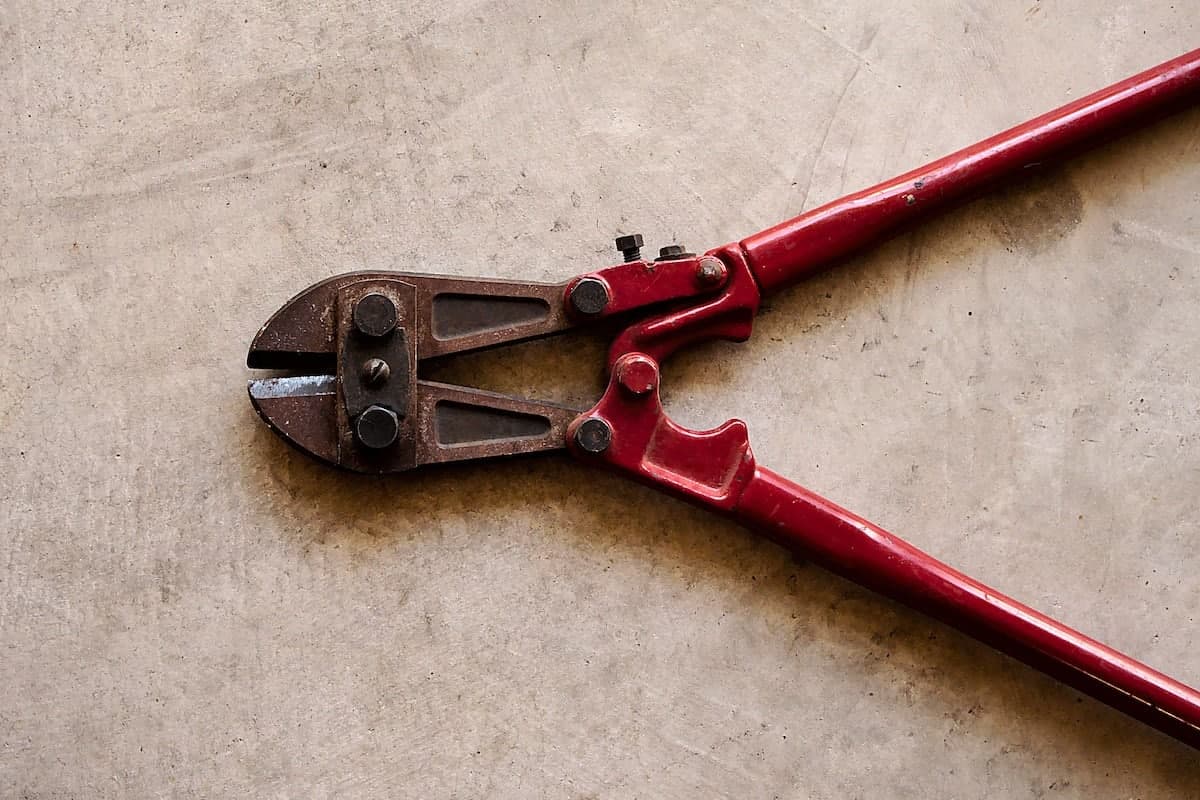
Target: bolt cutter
{"x":355,"y":397}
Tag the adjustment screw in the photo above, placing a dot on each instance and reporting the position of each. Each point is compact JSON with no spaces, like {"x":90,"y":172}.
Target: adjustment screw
{"x":637,"y":375}
{"x":377,"y":427}
{"x":593,"y":435}
{"x":375,"y":315}
{"x":589,"y":296}
{"x":710,"y":272}
{"x":375,"y":372}
{"x":630,"y":247}
{"x":673,"y":252}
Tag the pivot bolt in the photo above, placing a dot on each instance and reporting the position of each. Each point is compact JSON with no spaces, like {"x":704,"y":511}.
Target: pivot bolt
{"x":593,"y":435}
{"x":377,"y":427}
{"x":637,"y":375}
{"x":589,"y":296}
{"x":375,"y":372}
{"x":710,"y":272}
{"x":375,"y":315}
{"x":630,"y":247}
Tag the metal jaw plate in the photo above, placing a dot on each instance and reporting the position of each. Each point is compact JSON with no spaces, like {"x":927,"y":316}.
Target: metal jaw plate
{"x":359,"y":340}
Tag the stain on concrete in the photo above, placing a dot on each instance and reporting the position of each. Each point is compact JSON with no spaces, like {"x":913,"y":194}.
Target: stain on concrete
{"x":1030,"y":217}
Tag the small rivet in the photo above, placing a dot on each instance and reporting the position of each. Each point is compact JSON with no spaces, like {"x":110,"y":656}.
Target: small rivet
{"x":377,"y":427}
{"x":375,"y":372}
{"x":710,"y":272}
{"x":593,"y":435}
{"x":589,"y":296}
{"x":375,"y":315}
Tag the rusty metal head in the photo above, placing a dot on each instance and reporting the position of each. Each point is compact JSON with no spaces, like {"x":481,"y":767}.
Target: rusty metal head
{"x":352,"y":346}
{"x":357,"y":341}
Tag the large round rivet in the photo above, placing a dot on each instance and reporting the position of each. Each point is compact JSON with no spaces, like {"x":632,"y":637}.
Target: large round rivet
{"x":593,"y":435}
{"x":589,"y":296}
{"x":375,"y":315}
{"x":377,"y":427}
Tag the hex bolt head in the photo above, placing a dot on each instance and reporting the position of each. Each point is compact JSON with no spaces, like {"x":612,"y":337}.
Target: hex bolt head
{"x":673,"y":252}
{"x":711,"y":272}
{"x":377,"y":427}
{"x":630,"y":246}
{"x":637,"y":375}
{"x":375,"y":372}
{"x":589,"y":296}
{"x":593,"y":435}
{"x":375,"y":315}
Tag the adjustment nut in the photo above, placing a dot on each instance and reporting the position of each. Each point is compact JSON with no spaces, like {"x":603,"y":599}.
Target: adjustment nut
{"x":630,"y":246}
{"x":673,"y":252}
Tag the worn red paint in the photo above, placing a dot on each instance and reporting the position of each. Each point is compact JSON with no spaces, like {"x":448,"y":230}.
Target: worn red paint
{"x":716,"y":469}
{"x":790,"y":250}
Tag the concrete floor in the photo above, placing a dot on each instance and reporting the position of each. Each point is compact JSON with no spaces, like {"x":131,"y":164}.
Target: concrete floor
{"x":189,"y":609}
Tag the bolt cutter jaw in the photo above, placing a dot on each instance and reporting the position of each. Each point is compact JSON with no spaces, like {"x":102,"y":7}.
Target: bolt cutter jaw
{"x":353,"y":346}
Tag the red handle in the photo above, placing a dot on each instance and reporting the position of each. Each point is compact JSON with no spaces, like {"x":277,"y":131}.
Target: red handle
{"x":855,"y":549}
{"x":787,"y":252}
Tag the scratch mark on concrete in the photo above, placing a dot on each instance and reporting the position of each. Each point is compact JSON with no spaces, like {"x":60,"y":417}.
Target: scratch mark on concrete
{"x":825,"y":135}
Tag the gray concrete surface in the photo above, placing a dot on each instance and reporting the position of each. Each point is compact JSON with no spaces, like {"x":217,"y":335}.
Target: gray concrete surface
{"x":188,"y":609}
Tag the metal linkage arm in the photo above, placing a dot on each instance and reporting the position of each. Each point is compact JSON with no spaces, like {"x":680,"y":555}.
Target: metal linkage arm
{"x":790,"y":250}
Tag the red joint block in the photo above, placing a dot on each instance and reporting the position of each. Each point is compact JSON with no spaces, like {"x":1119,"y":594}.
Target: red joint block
{"x":627,"y":287}
{"x":728,"y":315}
